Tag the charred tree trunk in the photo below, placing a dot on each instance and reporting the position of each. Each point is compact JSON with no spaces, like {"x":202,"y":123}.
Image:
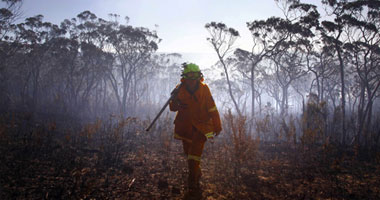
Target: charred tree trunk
{"x":343,"y":94}
{"x":229,"y":85}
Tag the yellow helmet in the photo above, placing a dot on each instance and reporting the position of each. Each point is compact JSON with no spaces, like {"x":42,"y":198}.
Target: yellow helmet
{"x":191,"y":71}
{"x":191,"y":67}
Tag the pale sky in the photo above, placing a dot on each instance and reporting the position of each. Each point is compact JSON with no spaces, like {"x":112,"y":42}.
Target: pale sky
{"x":180,"y":22}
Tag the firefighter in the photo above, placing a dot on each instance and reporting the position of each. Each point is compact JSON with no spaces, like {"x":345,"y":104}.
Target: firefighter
{"x":196,"y":121}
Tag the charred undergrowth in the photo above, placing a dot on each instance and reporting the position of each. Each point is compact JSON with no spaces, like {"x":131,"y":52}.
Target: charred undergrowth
{"x":115,"y":158}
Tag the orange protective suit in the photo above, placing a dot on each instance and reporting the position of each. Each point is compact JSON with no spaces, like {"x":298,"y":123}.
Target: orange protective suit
{"x":196,"y":120}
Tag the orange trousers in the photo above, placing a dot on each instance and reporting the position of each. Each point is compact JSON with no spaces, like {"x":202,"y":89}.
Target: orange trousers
{"x":194,"y":150}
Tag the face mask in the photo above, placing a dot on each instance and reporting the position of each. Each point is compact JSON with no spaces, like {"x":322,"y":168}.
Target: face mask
{"x":191,"y":76}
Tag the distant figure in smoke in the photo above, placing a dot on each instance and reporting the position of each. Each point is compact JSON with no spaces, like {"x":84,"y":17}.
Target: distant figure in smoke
{"x":197,"y":120}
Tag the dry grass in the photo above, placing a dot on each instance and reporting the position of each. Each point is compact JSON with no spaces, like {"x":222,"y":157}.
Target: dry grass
{"x":116,"y":159}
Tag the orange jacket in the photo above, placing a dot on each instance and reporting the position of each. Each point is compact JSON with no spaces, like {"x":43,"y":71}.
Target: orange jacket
{"x":200,"y":113}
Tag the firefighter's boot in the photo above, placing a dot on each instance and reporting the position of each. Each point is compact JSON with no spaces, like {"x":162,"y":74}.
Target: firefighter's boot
{"x":194,"y":177}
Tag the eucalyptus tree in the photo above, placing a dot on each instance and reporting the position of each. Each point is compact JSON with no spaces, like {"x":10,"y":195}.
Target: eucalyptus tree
{"x":163,"y":75}
{"x":354,"y":36}
{"x":79,"y":62}
{"x":34,"y":36}
{"x":288,"y":67}
{"x":283,"y":41}
{"x":94,"y":59}
{"x":272,"y":87}
{"x":362,"y":20}
{"x":320,"y":62}
{"x":267,"y":35}
{"x":9,"y":49}
{"x":259,"y":92}
{"x":133,"y":47}
{"x":332,"y":88}
{"x":109,"y":55}
{"x":82,"y":62}
{"x":94,"y":62}
{"x":60,"y":77}
{"x":8,"y":15}
{"x":222,"y":40}
{"x":333,"y":37}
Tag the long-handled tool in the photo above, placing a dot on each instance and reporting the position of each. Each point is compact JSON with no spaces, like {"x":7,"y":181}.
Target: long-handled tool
{"x":173,"y":94}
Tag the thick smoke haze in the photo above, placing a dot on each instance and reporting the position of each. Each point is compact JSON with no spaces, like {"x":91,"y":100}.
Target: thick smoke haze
{"x":296,"y":84}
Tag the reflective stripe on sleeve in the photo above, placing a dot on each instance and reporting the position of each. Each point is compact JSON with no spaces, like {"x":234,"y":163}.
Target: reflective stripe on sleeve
{"x":209,"y":135}
{"x":193,"y":157}
{"x":212,"y":109}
